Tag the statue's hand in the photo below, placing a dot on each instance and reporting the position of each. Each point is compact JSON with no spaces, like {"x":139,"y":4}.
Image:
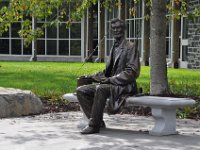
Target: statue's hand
{"x":106,"y":81}
{"x":86,"y":77}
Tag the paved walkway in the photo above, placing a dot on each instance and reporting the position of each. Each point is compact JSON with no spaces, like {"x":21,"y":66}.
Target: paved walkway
{"x":58,"y":131}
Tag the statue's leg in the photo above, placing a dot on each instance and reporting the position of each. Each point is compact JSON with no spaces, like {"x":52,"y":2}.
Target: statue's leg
{"x":100,"y":98}
{"x":85,"y":95}
{"x":83,"y":121}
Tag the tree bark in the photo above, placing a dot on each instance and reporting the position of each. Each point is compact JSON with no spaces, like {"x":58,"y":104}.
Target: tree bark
{"x":90,"y":31}
{"x":159,"y":81}
{"x":34,"y":42}
{"x":176,"y":44}
{"x":102,"y":34}
{"x":146,"y":43}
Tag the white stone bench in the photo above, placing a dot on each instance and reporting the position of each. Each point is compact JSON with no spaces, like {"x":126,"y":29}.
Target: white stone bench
{"x":163,"y":111}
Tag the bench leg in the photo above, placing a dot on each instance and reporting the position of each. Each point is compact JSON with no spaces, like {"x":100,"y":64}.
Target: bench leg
{"x":84,"y":120}
{"x":165,"y":121}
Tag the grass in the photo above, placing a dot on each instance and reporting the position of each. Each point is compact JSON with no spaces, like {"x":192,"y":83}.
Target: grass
{"x":53,"y":79}
{"x":44,"y":78}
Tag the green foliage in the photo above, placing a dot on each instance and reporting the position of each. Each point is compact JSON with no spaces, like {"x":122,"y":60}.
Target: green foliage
{"x":189,"y":112}
{"x":26,"y":9}
{"x":178,"y":8}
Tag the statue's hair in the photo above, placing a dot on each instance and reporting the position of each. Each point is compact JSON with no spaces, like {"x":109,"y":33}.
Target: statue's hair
{"x":122,"y":24}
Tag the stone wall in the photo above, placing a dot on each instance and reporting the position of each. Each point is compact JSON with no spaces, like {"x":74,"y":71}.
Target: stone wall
{"x":194,"y":39}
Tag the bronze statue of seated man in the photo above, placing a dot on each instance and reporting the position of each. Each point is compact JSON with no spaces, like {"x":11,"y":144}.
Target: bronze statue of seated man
{"x":116,"y":82}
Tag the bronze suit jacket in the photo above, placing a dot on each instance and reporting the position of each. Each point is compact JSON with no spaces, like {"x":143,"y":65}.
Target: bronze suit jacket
{"x":122,"y":72}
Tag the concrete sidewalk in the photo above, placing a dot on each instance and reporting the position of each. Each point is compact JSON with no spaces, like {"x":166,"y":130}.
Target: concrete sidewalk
{"x":58,"y":131}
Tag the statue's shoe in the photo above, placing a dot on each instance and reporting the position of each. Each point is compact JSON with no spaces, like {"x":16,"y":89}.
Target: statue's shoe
{"x":89,"y":130}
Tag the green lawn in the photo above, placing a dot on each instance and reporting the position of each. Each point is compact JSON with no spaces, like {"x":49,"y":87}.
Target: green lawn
{"x":53,"y":79}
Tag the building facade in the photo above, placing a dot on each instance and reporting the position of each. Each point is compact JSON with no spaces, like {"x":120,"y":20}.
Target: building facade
{"x":93,"y":32}
{"x":194,"y":39}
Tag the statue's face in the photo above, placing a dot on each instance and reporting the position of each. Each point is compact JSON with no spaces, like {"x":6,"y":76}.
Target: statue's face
{"x":117,"y":30}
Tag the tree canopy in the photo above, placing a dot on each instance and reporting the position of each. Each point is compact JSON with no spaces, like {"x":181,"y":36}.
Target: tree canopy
{"x":16,"y":10}
{"x":24,"y":10}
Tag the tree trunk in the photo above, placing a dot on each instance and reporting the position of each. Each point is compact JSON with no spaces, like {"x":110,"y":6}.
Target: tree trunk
{"x":176,"y":44}
{"x":34,"y":42}
{"x":90,"y":31}
{"x":102,"y":34}
{"x":146,"y":35}
{"x":159,"y":81}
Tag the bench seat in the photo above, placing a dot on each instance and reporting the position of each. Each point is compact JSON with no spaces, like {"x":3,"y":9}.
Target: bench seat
{"x":163,"y":110}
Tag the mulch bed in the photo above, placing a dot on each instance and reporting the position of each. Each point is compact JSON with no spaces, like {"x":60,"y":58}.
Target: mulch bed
{"x":62,"y":106}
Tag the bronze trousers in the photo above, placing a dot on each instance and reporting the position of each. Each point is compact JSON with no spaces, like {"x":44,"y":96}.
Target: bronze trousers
{"x":92,"y":98}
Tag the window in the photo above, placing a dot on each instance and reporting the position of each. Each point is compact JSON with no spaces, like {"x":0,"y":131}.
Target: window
{"x":15,"y":27}
{"x":4,"y":3}
{"x":75,"y":31}
{"x":110,"y":14}
{"x":27,"y":50}
{"x":56,"y":40}
{"x":63,"y":47}
{"x":168,"y":39}
{"x":51,"y":47}
{"x":75,"y":47}
{"x":52,"y":32}
{"x":16,"y":47}
{"x":134,"y":19}
{"x":40,"y":47}
{"x":63,"y":31}
{"x":4,"y":46}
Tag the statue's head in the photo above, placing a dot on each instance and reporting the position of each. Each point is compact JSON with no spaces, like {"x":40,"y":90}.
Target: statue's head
{"x":118,"y":28}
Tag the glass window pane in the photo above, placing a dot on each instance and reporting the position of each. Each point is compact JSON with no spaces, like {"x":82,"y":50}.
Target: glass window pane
{"x":63,"y":31}
{"x":75,"y":30}
{"x":15,"y":29}
{"x":167,"y":47}
{"x":185,"y":28}
{"x":63,"y":47}
{"x":109,"y":46}
{"x":4,"y":3}
{"x":4,"y":46}
{"x":5,"y":34}
{"x":95,"y":30}
{"x":109,"y":34}
{"x":27,"y":50}
{"x":127,"y":29}
{"x":16,"y":47}
{"x":184,"y":53}
{"x":139,"y":10}
{"x":113,"y":11}
{"x":138,"y":32}
{"x":52,"y":32}
{"x":75,"y":47}
{"x":132,"y":29}
{"x":40,"y":47}
{"x":51,"y":47}
{"x":95,"y":42}
{"x":168,"y":28}
{"x":139,"y":45}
